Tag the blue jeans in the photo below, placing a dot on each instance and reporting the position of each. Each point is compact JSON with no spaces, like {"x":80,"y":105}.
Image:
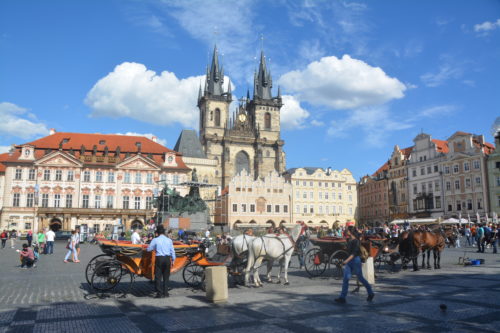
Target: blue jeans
{"x":50,"y":247}
{"x":354,"y":267}
{"x":71,"y":250}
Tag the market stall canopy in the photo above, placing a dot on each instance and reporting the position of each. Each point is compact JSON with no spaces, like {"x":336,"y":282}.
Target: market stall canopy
{"x":454,"y":221}
{"x":415,"y":221}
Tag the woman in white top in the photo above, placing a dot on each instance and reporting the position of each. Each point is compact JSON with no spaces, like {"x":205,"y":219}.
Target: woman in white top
{"x":72,"y":247}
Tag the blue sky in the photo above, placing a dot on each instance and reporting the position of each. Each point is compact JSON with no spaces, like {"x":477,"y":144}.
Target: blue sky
{"x":357,"y":77}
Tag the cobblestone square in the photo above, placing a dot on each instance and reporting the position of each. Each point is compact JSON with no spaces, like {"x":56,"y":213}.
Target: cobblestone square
{"x":55,"y":297}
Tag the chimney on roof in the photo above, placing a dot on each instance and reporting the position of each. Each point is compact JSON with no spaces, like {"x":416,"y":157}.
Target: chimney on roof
{"x":154,"y":138}
{"x":329,"y":171}
{"x":52,"y":131}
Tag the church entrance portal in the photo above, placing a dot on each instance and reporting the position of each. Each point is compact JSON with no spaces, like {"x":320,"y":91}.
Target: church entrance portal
{"x":55,"y":225}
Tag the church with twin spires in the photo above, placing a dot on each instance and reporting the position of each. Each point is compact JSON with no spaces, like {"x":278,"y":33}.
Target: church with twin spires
{"x":247,"y":138}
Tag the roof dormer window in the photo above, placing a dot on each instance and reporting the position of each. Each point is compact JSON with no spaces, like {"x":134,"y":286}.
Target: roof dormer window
{"x":102,"y":142}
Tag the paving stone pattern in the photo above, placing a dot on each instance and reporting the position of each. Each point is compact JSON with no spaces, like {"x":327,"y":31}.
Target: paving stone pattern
{"x":54,"y":297}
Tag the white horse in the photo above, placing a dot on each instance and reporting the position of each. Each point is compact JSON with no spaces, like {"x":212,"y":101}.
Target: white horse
{"x":271,"y":247}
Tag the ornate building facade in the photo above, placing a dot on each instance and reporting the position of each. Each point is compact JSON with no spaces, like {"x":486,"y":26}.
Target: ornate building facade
{"x":373,"y":201}
{"x":249,"y":139}
{"x":93,"y":180}
{"x":246,"y":201}
{"x":494,"y":176}
{"x":322,"y":197}
{"x":398,"y":183}
{"x":465,"y":176}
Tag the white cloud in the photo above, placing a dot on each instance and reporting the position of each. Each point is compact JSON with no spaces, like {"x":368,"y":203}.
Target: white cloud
{"x":445,"y":73}
{"x":133,"y":91}
{"x":317,"y":123}
{"x":487,"y":26}
{"x":436,"y":111}
{"x":147,"y":135}
{"x":345,"y":83}
{"x":13,"y":122}
{"x":293,"y":116}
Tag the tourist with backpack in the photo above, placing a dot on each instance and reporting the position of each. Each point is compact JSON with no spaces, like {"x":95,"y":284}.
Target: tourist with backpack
{"x":4,"y":236}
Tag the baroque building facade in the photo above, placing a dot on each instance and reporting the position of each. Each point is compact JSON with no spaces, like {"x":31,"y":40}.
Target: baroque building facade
{"x":465,"y":175}
{"x":398,"y":183}
{"x":322,"y":197}
{"x":249,"y":202}
{"x":96,"y":181}
{"x":248,"y":139}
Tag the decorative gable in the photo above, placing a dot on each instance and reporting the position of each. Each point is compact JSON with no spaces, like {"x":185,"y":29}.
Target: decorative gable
{"x":138,"y":162}
{"x":27,"y":153}
{"x":59,"y":159}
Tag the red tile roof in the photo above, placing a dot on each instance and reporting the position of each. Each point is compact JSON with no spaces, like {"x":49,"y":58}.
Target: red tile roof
{"x":75,"y":141}
{"x":3,"y":157}
{"x":441,"y":145}
{"x":407,"y":151}
{"x":384,"y":167}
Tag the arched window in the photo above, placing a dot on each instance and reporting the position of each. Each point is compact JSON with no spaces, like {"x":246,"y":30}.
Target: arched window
{"x":242,"y":162}
{"x":267,"y":121}
{"x":217,"y":117}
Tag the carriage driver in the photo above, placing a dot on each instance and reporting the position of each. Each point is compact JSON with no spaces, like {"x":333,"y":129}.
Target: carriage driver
{"x":165,"y":256}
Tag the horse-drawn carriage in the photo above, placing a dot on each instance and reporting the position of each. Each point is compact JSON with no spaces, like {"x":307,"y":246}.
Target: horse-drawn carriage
{"x":330,"y":253}
{"x":121,"y":262}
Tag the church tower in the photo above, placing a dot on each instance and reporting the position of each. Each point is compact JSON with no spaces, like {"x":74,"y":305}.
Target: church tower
{"x":213,"y":103}
{"x":265,"y":111}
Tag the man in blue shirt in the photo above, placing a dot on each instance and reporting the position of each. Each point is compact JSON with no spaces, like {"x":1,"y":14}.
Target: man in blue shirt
{"x":165,"y":256}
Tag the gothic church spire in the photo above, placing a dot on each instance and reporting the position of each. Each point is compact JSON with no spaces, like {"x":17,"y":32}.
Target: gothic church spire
{"x":262,"y":80}
{"x":215,"y":77}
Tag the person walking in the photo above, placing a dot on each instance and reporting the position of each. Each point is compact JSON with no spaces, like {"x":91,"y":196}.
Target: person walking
{"x":29,"y":237}
{"x":72,"y":248}
{"x":13,"y":237}
{"x":136,"y":238}
{"x":353,"y":265}
{"x":494,"y":238}
{"x":480,"y":239}
{"x":77,"y":244}
{"x":165,"y":256}
{"x":49,"y":238}
{"x":41,"y":241}
{"x":468,"y":236}
{"x":4,"y":236}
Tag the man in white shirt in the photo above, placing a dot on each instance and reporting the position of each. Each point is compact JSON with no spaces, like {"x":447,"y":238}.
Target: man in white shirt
{"x":207,"y":234}
{"x":49,"y":238}
{"x":136,"y":239}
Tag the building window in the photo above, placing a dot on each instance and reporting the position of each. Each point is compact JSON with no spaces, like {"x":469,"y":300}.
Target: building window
{"x":350,"y":197}
{"x":305,"y":209}
{"x":19,"y":174}
{"x":429,"y":169}
{"x":86,"y":176}
{"x":304,"y":195}
{"x":311,"y":195}
{"x":176,"y":179}
{"x":340,"y":196}
{"x":235,"y":208}
{"x":217,"y":117}
{"x":498,"y":180}
{"x":163,"y":177}
{"x":414,"y":172}
{"x":457,"y":184}
{"x":436,"y":169}
{"x":340,"y":209}
{"x":437,"y":187}
{"x":479,"y":204}
{"x":297,"y":209}
{"x":326,"y":195}
{"x":71,"y":176}
{"x":252,"y":208}
{"x":321,"y":209}
{"x":30,"y":199}
{"x":267,"y":120}
{"x":138,"y":178}
{"x":276,"y":208}
{"x":285,"y":208}
{"x":311,"y":184}
{"x":126,"y":178}
{"x":57,"y":200}
{"x":69,"y":200}
{"x":85,"y":202}
{"x":109,"y":201}
{"x":467,"y":182}
{"x":415,"y":190}
{"x":137,"y":203}
{"x":97,"y":202}
{"x":31,"y":174}
{"x":446,"y":169}
{"x":320,"y":195}
{"x":478,"y":180}
{"x":455,"y":168}
{"x":149,"y":202}
{"x":430,"y":187}
{"x":45,"y":200}
{"x":97,"y":228}
{"x":448,"y":186}
{"x":58,"y":175}
{"x":126,"y":201}
{"x":297,"y":194}
{"x":459,"y":206}
{"x":424,"y":188}
{"x":466,"y":166}
{"x":111,"y":177}
{"x":16,"y":198}
{"x":46,"y":174}
{"x":149,"y":178}
{"x":422,"y":171}
{"x":438,"y":202}
{"x":311,"y":209}
{"x":476,"y":164}
{"x":269,"y":208}
{"x":469,"y":204}
{"x":98,"y":176}
{"x":243,"y":208}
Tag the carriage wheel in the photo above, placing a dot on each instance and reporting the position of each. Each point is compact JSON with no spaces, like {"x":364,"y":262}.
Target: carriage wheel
{"x":314,"y":262}
{"x":107,"y":275}
{"x":90,"y":269}
{"x":336,"y":260}
{"x":194,"y":275}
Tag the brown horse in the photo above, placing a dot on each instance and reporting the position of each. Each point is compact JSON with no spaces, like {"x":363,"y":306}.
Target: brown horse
{"x":414,"y":242}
